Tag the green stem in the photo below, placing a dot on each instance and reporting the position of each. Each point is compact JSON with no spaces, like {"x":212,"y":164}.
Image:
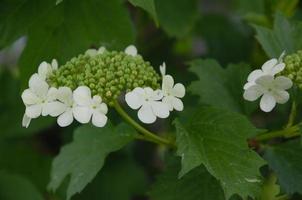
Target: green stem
{"x":289,"y":132}
{"x":147,"y":135}
{"x":292,"y":115}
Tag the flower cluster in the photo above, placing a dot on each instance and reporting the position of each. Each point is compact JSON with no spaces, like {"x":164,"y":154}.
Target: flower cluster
{"x":82,"y":88}
{"x":293,"y":68}
{"x":267,"y":82}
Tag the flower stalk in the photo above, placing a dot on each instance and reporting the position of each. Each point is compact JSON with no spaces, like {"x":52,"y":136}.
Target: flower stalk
{"x":147,"y":135}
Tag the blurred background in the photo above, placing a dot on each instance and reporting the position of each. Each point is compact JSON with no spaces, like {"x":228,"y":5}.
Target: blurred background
{"x":32,"y":31}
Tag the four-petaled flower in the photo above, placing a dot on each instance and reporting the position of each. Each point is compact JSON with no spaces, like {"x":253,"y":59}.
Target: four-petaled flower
{"x":148,"y":102}
{"x":87,"y":107}
{"x":172,"y":93}
{"x":270,"y":67}
{"x":37,"y":97}
{"x":271,"y":89}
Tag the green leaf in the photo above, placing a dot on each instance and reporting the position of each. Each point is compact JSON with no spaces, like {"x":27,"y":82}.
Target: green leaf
{"x":71,"y":27}
{"x":218,"y":139}
{"x":286,"y":160}
{"x":220,"y":87}
{"x":197,"y":184}
{"x":17,"y":16}
{"x":147,"y":5}
{"x":23,"y":159}
{"x":121,"y":173}
{"x":14,"y":187}
{"x":285,"y":36}
{"x":177,"y":17}
{"x":84,"y":157}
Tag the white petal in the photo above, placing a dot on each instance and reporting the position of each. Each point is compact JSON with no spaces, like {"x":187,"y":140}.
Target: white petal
{"x":162,"y":69}
{"x":283,"y":83}
{"x":267,"y":103}
{"x":131,"y":50}
{"x":268,"y":65}
{"x":54,"y":64}
{"x":26,"y":121}
{"x":52,"y":94}
{"x":177,"y":104}
{"x":33,"y":111}
{"x":99,"y":119}
{"x":168,"y":100}
{"x":82,"y":114}
{"x":280,"y":59}
{"x":102,"y":108}
{"x":44,"y":69}
{"x":54,"y":109}
{"x":254,"y":75}
{"x":64,"y":94}
{"x":278,"y":68}
{"x":253,"y":93}
{"x":179,"y":90}
{"x":266,"y":80}
{"x":82,"y":96}
{"x":38,"y":85}
{"x":29,"y":97}
{"x":157,"y":95}
{"x":146,"y":115}
{"x":65,"y":119}
{"x":134,"y":100}
{"x":248,"y":84}
{"x":168,"y":83}
{"x":91,"y":52}
{"x":281,"y":96}
{"x":160,"y":109}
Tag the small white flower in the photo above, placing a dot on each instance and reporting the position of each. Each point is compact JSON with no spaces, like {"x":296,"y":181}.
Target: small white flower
{"x":93,"y":52}
{"x":162,"y":69}
{"x":45,"y":69}
{"x":87,"y":107}
{"x":271,"y":89}
{"x":37,"y":97}
{"x":172,"y":93}
{"x":270,"y":67}
{"x":148,"y":102}
{"x":131,"y":50}
{"x":64,"y":107}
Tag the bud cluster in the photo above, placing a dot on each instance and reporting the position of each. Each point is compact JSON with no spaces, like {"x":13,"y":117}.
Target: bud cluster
{"x":106,"y":74}
{"x":293,"y":69}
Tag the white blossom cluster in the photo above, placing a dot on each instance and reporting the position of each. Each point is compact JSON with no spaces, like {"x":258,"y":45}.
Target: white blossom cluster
{"x":158,"y":103}
{"x":268,"y":84}
{"x":42,"y":100}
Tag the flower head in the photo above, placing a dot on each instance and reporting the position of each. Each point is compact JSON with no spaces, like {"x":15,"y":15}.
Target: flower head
{"x":270,"y":67}
{"x":271,"y":89}
{"x":87,"y":107}
{"x":37,"y":97}
{"x":148,"y":102}
{"x":172,"y":93}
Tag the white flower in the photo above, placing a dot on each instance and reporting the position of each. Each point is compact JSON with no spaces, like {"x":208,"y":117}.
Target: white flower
{"x":93,"y":52}
{"x":87,"y":107}
{"x":131,"y":50}
{"x":271,"y":89}
{"x":37,"y":97}
{"x":45,"y":69}
{"x":147,"y":101}
{"x":270,"y":67}
{"x":172,"y":93}
{"x":64,"y":107}
{"x":162,"y":69}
